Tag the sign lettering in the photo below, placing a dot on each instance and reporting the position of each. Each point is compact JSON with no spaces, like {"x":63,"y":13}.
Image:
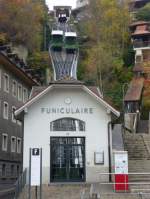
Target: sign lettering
{"x":63,"y":110}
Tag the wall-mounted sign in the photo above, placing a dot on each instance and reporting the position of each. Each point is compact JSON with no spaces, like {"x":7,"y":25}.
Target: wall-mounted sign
{"x":99,"y":157}
{"x":35,"y":167}
{"x":64,"y":110}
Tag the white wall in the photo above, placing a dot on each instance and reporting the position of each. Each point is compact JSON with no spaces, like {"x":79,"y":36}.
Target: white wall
{"x":37,"y":129}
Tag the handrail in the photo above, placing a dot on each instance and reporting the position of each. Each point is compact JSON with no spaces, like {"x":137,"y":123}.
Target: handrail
{"x":19,"y":185}
{"x":134,"y":173}
{"x":126,"y":182}
{"x":98,"y":192}
{"x":135,"y":122}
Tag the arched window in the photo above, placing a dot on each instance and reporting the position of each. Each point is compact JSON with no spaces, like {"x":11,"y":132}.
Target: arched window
{"x":67,"y":124}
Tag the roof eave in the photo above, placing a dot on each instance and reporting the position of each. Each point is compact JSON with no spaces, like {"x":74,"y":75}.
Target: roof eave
{"x":114,"y":111}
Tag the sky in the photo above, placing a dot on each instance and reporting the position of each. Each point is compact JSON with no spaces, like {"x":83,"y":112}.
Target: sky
{"x":52,"y":3}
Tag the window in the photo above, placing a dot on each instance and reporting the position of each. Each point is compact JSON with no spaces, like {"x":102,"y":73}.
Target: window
{"x":5,"y":110}
{"x":4,"y":142}
{"x":18,"y":170}
{"x":19,"y":92}
{"x":13,"y":144}
{"x":25,"y":95}
{"x":13,"y":116}
{"x":14,"y":88}
{"x":3,"y":169}
{"x":18,"y":145}
{"x":6,"y":83}
{"x":12,"y":170}
{"x":67,"y":124}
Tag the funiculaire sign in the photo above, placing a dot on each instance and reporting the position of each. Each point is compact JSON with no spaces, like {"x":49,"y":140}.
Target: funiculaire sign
{"x":63,"y":110}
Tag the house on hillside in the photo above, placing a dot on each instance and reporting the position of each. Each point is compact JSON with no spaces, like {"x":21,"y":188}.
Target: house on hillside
{"x":140,"y":35}
{"x":137,"y":96}
{"x":135,"y":5}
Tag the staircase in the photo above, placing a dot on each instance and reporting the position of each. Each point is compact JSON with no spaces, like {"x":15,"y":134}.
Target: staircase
{"x":138,"y":147}
{"x":142,"y":126}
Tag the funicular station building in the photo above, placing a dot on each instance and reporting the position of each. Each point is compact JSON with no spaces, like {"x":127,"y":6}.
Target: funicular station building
{"x":70,"y":121}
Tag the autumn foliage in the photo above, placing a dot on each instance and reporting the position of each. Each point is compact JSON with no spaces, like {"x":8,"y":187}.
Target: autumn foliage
{"x":22,"y":21}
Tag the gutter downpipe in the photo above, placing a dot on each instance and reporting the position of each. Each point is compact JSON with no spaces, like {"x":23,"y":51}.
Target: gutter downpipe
{"x":109,"y":125}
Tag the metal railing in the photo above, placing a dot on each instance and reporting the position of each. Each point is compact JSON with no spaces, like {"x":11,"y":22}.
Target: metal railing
{"x":136,"y":119}
{"x":107,"y":189}
{"x":20,"y":184}
{"x":127,"y":181}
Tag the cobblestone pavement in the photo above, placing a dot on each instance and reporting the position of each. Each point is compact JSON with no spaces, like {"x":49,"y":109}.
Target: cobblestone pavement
{"x":75,"y":192}
{"x":57,"y":192}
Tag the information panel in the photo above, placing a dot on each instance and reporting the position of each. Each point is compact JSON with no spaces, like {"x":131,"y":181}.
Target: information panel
{"x":121,"y":162}
{"x":121,"y":171}
{"x":35,"y":166}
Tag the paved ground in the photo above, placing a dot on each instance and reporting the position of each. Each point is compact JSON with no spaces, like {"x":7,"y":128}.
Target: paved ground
{"x":58,"y":192}
{"x":76,"y":192}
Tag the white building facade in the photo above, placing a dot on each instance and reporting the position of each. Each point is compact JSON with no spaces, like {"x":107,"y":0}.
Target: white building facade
{"x":70,"y":123}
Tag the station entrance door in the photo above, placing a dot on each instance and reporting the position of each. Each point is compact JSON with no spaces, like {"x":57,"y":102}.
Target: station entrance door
{"x":67,"y":159}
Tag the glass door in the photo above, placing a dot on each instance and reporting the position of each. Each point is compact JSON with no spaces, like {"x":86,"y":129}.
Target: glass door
{"x":67,"y":159}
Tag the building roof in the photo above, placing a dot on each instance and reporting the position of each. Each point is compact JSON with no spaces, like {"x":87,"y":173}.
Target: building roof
{"x":141,"y":30}
{"x":11,"y":66}
{"x":39,"y":92}
{"x":70,"y":34}
{"x":56,"y":7}
{"x":139,"y":23}
{"x":57,"y":32}
{"x":38,"y":89}
{"x":134,"y":91}
{"x":67,"y":80}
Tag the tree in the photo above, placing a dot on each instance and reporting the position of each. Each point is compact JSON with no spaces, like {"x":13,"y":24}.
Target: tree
{"x":107,"y":28}
{"x":23,"y":22}
{"x":144,"y":13}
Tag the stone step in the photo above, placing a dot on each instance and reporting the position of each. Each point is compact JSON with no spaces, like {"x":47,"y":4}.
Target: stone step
{"x":138,"y":155}
{"x":131,"y":157}
{"x":139,"y":178}
{"x":138,"y":170}
{"x":138,"y":148}
{"x":140,"y":163}
{"x":140,"y":188}
{"x":134,"y":144}
{"x":135,"y":152}
{"x":130,"y":141}
{"x":139,"y":139}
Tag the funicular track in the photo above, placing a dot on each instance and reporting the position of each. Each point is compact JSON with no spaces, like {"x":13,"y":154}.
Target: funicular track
{"x":63,"y":49}
{"x":64,"y":68}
